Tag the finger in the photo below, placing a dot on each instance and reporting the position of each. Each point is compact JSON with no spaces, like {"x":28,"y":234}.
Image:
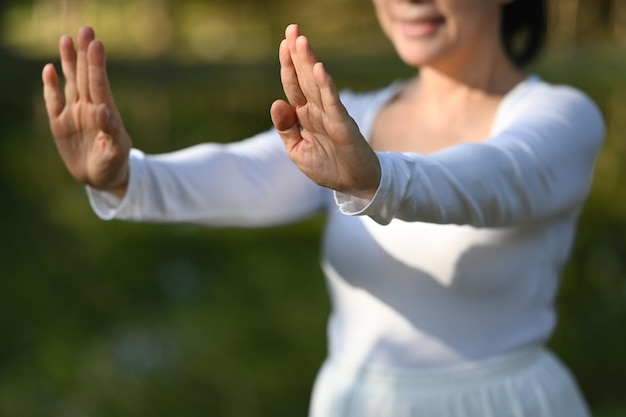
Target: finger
{"x":331,"y":101}
{"x":289,"y":77}
{"x":68,"y":66}
{"x":52,"y":94}
{"x":99,"y":88}
{"x":303,"y":59}
{"x":85,"y":36}
{"x":291,"y":34}
{"x":286,"y":123}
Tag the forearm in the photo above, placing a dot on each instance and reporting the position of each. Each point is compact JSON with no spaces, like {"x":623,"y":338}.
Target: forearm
{"x":483,"y":185}
{"x":250,"y":183}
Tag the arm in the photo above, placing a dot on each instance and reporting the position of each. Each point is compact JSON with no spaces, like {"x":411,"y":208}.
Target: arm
{"x":249,"y":183}
{"x":540,"y":165}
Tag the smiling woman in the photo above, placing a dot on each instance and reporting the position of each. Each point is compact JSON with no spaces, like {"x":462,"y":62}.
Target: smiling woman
{"x":451,"y":199}
{"x":423,"y":32}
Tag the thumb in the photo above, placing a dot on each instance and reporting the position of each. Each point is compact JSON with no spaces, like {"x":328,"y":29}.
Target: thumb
{"x":286,"y":123}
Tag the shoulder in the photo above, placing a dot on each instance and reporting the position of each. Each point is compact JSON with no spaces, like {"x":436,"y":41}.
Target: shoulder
{"x":537,"y":103}
{"x":564,"y":97}
{"x":536,"y":96}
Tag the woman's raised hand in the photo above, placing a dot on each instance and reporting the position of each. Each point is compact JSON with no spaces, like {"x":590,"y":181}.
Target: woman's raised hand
{"x":319,"y":135}
{"x":87,"y":128}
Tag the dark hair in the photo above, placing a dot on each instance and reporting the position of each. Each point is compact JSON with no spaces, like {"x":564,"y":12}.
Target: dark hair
{"x":524,"y":29}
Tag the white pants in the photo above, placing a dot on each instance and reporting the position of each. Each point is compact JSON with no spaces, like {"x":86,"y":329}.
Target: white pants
{"x":530,"y":382}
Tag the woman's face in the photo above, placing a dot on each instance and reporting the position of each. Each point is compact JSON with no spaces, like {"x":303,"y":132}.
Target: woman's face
{"x":436,"y":32}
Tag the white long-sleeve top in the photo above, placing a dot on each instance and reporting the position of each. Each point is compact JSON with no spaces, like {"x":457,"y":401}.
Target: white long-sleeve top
{"x":458,"y":255}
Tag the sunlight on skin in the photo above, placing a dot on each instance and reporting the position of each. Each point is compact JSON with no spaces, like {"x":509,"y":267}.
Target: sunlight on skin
{"x":87,"y":128}
{"x":319,"y":135}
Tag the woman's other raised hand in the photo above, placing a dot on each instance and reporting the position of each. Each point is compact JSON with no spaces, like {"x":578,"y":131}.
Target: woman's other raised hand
{"x":85,"y":123}
{"x":319,"y":135}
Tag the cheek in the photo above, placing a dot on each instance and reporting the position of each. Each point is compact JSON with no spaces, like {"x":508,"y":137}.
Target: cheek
{"x":382,"y":14}
{"x":475,"y":21}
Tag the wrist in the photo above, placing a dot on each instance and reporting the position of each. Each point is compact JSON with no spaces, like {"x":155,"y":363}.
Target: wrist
{"x":119,"y":191}
{"x":119,"y":187}
{"x":369,"y":181}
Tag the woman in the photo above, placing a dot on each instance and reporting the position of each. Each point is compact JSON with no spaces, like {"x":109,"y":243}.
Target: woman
{"x":451,"y":198}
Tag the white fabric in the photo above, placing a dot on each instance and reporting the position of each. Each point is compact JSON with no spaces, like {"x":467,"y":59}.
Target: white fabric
{"x":536,"y":164}
{"x":248,"y":183}
{"x":410,"y":293}
{"x":529,"y":382}
{"x":456,"y":258}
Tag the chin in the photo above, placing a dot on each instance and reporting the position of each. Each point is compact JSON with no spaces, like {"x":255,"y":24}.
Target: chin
{"x":420,"y":53}
{"x":417,"y":59}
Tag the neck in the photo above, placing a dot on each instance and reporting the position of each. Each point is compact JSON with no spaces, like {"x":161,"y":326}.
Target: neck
{"x":489,"y":75}
{"x":468,"y":95}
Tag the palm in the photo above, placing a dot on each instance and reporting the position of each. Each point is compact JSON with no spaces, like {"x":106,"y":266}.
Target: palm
{"x":322,"y":138}
{"x":85,"y":124}
{"x":319,"y":135}
{"x":83,"y":146}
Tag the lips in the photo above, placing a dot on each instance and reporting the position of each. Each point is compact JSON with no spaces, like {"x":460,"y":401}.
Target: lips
{"x":420,"y":26}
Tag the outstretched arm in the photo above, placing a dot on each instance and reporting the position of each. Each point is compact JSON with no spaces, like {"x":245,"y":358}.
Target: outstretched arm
{"x":85,"y":123}
{"x":319,"y":135}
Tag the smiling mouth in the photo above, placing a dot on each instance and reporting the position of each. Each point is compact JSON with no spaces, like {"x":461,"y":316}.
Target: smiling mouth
{"x":421,"y":27}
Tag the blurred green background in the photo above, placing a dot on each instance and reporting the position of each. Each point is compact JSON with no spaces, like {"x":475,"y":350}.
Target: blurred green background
{"x":116,"y":319}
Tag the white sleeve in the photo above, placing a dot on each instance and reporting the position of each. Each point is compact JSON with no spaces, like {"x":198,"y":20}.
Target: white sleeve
{"x":541,"y":164}
{"x":248,"y":183}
